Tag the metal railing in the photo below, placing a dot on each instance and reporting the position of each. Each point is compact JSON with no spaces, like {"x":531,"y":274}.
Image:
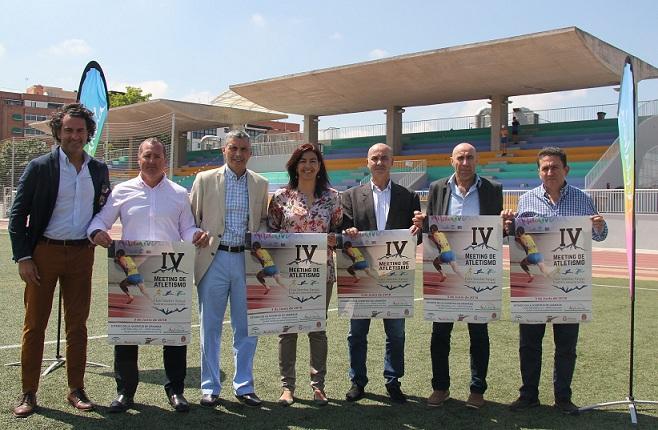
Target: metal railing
{"x":274,"y":148}
{"x":584,"y":113}
{"x":266,"y":138}
{"x":411,"y":170}
{"x":606,"y":201}
{"x":568,"y":114}
{"x":281,"y":143}
{"x":602,"y":164}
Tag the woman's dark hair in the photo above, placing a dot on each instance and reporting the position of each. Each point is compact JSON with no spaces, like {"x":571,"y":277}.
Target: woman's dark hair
{"x":322,"y":179}
{"x":75,"y":110}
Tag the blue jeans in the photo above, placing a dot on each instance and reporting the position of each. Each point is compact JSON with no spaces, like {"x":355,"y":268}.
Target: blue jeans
{"x":565,"y":337}
{"x":440,"y":352}
{"x":225,"y":280}
{"x":357,"y":341}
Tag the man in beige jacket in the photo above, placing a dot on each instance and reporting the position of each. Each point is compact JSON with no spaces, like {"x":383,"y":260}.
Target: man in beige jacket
{"x":227,"y":202}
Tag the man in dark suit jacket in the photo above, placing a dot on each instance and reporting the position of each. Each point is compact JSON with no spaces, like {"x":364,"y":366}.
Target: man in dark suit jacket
{"x":463,"y":193}
{"x":378,"y":205}
{"x":56,"y":198}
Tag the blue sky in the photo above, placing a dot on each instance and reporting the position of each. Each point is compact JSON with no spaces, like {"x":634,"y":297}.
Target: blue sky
{"x":193,"y":50}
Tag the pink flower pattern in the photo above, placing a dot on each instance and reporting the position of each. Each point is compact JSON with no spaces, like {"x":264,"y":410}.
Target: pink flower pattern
{"x":289,"y":212}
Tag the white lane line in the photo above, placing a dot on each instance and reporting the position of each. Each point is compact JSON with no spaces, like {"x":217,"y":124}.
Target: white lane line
{"x":625,"y":288}
{"x":52,"y":342}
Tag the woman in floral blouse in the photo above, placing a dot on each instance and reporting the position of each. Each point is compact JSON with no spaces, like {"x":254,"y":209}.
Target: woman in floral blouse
{"x":306,"y":205}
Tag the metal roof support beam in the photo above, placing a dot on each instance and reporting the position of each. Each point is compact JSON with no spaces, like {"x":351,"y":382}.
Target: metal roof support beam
{"x":394,"y":128}
{"x":499,"y":114}
{"x":311,"y":129}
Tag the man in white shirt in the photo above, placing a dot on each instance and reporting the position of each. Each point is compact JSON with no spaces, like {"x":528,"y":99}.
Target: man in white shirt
{"x":379,"y":205}
{"x":151,"y":207}
{"x":56,"y":197}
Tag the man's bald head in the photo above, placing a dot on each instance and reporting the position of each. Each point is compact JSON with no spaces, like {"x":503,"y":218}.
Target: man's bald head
{"x":464,"y":161}
{"x":464,"y":146}
{"x":380,"y":161}
{"x":380,"y":147}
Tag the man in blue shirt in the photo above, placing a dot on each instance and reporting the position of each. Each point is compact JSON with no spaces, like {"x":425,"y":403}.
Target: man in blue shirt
{"x":553,"y":198}
{"x":227,"y":202}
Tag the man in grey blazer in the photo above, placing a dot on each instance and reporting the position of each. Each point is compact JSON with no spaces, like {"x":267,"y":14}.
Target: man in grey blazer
{"x":227,"y":202}
{"x":380,"y":204}
{"x":463,"y":193}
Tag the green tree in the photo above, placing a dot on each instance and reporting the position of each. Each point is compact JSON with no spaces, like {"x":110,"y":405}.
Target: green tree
{"x":130,"y":96}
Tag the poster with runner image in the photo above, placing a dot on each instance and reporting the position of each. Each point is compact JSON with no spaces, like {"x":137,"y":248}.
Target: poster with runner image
{"x":551,"y":270}
{"x":150,"y":288}
{"x":463,"y":268}
{"x":286,"y":282}
{"x":376,"y":274}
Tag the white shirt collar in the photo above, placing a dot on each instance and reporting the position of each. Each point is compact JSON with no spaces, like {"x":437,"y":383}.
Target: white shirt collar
{"x":376,"y":189}
{"x":477,"y":182}
{"x":141,"y":181}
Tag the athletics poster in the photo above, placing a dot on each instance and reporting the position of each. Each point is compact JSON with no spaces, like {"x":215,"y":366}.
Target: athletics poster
{"x":463,"y":268}
{"x":551,"y":270}
{"x":149,"y":292}
{"x":376,"y":274}
{"x":286,"y":282}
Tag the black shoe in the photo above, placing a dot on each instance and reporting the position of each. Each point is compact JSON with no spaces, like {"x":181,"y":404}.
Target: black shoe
{"x":249,"y":399}
{"x":396,"y":394}
{"x":179,"y":403}
{"x":355,"y":393}
{"x":523,"y":403}
{"x":121,"y":404}
{"x":566,"y":406}
{"x":210,"y":400}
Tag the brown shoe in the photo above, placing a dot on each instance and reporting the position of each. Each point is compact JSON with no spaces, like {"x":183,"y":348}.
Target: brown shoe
{"x":27,"y":405}
{"x":79,"y":400}
{"x":438,"y":397}
{"x":475,"y":401}
{"x":319,"y":397}
{"x":287,"y":398}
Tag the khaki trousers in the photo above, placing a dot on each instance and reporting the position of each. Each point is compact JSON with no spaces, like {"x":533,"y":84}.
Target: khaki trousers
{"x":288,"y":355}
{"x":72,"y":266}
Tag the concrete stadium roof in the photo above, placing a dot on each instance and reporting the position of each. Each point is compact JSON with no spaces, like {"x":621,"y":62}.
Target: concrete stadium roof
{"x":556,"y":60}
{"x":189,"y":116}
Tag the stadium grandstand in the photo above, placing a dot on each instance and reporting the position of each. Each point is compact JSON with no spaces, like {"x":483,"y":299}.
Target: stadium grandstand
{"x":584,"y":140}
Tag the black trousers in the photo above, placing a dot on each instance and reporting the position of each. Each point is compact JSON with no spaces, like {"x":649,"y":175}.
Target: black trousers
{"x":440,"y":351}
{"x":565,"y":337}
{"x":127,"y":375}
